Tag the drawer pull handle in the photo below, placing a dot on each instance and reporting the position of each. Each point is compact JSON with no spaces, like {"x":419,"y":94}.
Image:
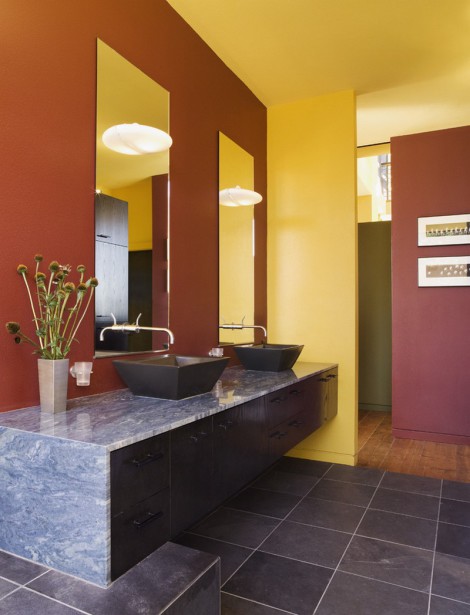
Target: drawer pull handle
{"x":150,"y":518}
{"x":150,"y":458}
{"x":296,"y":423}
{"x":294,"y":392}
{"x":226,"y":425}
{"x":195,"y":437}
{"x":323,"y":379}
{"x":332,"y":376}
{"x":277,"y":400}
{"x":104,"y":236}
{"x":278,"y":434}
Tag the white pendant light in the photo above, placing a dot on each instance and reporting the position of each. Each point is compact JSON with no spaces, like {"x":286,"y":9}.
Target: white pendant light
{"x":136,"y":139}
{"x":236,"y":197}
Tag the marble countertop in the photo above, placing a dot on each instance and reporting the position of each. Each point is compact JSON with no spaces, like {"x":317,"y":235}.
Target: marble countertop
{"x":119,"y":418}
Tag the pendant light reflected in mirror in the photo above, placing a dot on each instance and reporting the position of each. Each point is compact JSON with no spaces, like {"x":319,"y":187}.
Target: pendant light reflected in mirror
{"x":239,"y":197}
{"x":136,"y":139}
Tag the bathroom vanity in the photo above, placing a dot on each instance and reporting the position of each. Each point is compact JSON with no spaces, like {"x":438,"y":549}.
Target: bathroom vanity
{"x":94,"y":490}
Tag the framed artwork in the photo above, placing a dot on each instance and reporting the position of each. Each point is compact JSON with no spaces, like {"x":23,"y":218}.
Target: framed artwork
{"x":444,"y":230}
{"x":444,"y":271}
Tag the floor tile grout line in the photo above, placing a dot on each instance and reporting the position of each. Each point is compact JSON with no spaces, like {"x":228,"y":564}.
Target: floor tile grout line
{"x":270,"y":534}
{"x":347,"y":546}
{"x":455,"y":524}
{"x":434,"y":553}
{"x":2,"y":578}
{"x":257,"y":602}
{"x":392,"y":542}
{"x":393,"y":512}
{"x":35,"y":578}
{"x":52,"y":599}
{"x":21,"y":585}
{"x":15,"y":589}
{"x":452,"y":599}
{"x":363,"y":576}
{"x":257,"y":514}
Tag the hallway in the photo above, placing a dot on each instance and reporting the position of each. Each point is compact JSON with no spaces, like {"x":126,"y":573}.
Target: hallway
{"x":379,"y":449}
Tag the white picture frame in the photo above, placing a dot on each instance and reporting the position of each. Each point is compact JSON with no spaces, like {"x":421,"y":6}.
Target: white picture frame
{"x":444,"y":230}
{"x":444,"y":271}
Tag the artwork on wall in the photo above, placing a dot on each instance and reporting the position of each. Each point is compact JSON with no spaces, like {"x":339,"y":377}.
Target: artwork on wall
{"x":444,"y":271}
{"x":444,"y":230}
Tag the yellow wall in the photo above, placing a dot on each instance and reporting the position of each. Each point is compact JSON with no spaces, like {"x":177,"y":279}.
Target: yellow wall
{"x":139,"y":199}
{"x":236,"y":263}
{"x":312,"y":250}
{"x":364,"y":208}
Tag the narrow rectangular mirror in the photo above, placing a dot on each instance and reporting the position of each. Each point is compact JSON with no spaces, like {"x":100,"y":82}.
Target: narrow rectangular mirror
{"x":236,"y":245}
{"x":131,"y":209}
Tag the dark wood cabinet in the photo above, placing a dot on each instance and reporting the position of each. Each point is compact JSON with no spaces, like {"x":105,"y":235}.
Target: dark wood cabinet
{"x":192,"y":494}
{"x":239,"y":450}
{"x":140,"y":501}
{"x":111,"y":269}
{"x":111,"y":220}
{"x":163,"y":485}
{"x":326,"y":385}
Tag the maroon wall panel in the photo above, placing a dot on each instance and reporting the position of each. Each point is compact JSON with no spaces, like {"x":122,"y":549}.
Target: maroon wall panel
{"x":47,"y":161}
{"x":431,"y":350}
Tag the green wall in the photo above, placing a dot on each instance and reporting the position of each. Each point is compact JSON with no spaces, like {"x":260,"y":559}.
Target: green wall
{"x":375,"y":331}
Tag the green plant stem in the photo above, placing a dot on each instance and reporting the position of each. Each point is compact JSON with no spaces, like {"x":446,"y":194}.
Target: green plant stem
{"x":36,"y":323}
{"x":82,"y":317}
{"x":38,"y":294}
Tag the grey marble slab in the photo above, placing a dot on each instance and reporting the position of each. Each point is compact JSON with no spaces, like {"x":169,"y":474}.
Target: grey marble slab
{"x":119,"y":418}
{"x":55,"y":502}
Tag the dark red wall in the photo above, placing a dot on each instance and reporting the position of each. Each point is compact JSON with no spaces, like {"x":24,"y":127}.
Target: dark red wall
{"x":431,"y":326}
{"x":47,"y":127}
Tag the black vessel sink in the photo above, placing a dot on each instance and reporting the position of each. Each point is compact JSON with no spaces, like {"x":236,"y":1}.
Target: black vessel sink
{"x":171,"y":376}
{"x":268,"y":357}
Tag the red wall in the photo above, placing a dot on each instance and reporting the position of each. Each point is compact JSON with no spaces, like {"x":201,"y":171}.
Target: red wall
{"x":47,"y":127}
{"x":431,"y":326}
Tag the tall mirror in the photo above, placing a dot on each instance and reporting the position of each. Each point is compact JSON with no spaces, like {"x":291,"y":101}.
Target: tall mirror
{"x":131,"y":208}
{"x":236,"y":245}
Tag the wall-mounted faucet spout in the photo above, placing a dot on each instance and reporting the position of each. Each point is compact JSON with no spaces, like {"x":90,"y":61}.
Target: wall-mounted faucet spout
{"x":243,"y":326}
{"x":125,"y":327}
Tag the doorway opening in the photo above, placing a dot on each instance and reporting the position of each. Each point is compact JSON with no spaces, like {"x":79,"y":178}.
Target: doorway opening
{"x":374,"y":203}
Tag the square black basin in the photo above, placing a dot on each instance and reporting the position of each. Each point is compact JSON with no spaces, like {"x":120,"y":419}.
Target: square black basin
{"x":171,"y":376}
{"x":268,"y":357}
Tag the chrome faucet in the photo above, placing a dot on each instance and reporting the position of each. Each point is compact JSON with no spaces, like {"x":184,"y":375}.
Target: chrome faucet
{"x":243,"y":326}
{"x":125,"y":327}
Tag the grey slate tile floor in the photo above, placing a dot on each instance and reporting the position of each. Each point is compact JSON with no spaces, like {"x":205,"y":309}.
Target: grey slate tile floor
{"x":306,"y":538}
{"x":314,"y":538}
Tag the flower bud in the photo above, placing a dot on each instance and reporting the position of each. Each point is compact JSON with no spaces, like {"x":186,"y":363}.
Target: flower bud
{"x":69,"y":287}
{"x":13,"y":327}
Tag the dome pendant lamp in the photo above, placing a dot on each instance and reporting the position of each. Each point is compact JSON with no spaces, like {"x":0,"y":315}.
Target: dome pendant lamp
{"x":136,"y":139}
{"x":237,"y":197}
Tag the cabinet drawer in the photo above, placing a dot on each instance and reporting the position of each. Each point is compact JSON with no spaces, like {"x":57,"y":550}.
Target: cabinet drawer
{"x":138,"y":531}
{"x":138,"y":471}
{"x":285,"y":436}
{"x":191,"y":474}
{"x":285,"y":403}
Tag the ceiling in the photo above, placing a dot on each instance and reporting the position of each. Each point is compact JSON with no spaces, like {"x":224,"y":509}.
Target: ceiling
{"x":407,"y":60}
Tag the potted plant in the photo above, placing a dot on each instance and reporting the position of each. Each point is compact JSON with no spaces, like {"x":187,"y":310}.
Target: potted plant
{"x":58,"y":307}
